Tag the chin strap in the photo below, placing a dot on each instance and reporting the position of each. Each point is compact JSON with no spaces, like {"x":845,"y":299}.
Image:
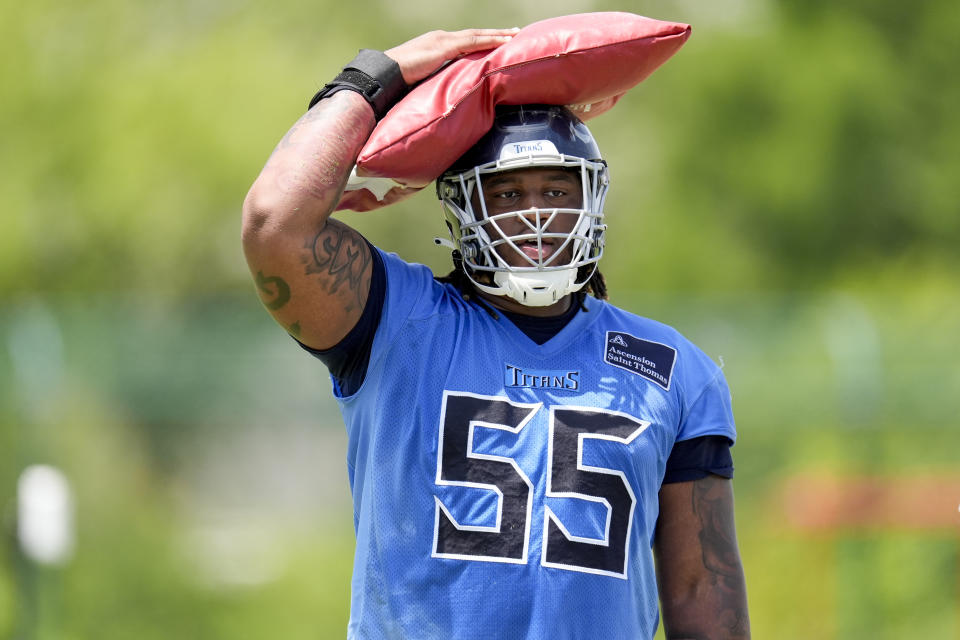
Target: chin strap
{"x":536,"y":289}
{"x":531,"y":289}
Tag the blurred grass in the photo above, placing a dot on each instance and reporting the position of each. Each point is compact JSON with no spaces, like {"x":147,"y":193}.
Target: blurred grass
{"x":139,"y":415}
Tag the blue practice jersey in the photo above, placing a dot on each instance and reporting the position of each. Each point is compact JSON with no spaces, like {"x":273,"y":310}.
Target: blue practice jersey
{"x":504,"y":489}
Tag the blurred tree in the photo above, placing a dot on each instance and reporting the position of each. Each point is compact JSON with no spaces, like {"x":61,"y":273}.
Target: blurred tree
{"x":799,"y":143}
{"x":819,"y":138}
{"x":826,"y":142}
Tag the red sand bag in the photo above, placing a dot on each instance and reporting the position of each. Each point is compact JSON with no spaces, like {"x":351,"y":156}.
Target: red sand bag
{"x":585,"y":61}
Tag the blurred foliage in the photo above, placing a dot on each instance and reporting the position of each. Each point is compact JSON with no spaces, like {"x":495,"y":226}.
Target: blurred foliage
{"x":784,"y":192}
{"x":787,"y":142}
{"x":833,"y":382}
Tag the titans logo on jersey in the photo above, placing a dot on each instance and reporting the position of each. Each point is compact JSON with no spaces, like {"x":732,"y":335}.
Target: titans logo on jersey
{"x":541,"y":379}
{"x":508,"y":489}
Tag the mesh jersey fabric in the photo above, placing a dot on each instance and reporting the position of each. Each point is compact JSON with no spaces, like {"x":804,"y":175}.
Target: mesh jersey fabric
{"x":507,"y":489}
{"x":347,"y":361}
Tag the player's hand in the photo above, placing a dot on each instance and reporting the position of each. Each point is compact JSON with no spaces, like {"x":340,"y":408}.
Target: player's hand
{"x":420,"y":57}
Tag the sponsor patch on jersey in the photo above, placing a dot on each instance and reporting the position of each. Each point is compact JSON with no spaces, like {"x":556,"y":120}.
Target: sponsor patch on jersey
{"x":556,"y":379}
{"x":652,"y":360}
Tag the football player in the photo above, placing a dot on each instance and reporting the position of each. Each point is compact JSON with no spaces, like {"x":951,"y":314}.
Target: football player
{"x":526,"y":459}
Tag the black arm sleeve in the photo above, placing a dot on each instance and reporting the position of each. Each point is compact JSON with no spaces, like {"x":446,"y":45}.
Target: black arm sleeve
{"x":348,"y":360}
{"x":699,"y":457}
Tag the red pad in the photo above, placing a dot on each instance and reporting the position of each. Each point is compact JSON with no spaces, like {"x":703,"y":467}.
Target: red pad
{"x":586,"y":61}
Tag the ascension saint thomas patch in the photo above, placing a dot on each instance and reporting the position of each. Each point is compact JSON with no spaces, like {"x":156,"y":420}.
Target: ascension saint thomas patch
{"x":651,"y":360}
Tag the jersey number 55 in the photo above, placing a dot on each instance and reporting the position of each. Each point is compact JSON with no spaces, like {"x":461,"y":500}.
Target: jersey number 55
{"x":567,"y":477}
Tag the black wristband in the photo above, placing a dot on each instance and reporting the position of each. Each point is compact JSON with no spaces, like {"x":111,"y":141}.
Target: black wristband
{"x":374,"y":75}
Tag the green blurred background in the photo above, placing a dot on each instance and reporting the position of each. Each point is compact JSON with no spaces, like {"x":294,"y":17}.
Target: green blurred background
{"x":785,"y":193}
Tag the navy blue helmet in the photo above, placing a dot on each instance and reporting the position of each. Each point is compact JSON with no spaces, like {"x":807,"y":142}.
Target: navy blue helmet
{"x":522,"y":137}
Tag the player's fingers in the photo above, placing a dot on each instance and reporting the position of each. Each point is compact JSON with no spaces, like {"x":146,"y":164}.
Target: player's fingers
{"x":486,"y":33}
{"x":423,"y":55}
{"x":420,"y":57}
{"x":471,"y":40}
{"x":490,"y":32}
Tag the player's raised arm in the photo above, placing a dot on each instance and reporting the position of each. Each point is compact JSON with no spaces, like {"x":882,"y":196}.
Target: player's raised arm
{"x":313,"y":273}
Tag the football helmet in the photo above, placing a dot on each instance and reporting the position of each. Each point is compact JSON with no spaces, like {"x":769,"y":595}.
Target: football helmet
{"x":500,"y":255}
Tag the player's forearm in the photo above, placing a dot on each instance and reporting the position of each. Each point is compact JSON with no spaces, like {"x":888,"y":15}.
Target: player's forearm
{"x":714,"y":611}
{"x":311,"y":273}
{"x":702,"y":587}
{"x":302,"y":181}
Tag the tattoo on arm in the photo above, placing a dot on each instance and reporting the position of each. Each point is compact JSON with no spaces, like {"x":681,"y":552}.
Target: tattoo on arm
{"x":719,"y":550}
{"x":274,"y":291}
{"x":340,"y":256}
{"x":713,"y":506}
{"x":315,"y":161}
